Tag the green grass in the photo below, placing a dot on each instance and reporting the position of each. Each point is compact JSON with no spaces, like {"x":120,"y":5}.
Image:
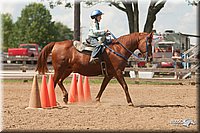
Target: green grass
{"x":14,"y":80}
{"x":98,"y":81}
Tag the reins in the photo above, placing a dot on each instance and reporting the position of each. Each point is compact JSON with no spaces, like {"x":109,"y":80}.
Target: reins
{"x":123,"y":45}
{"x":120,"y":55}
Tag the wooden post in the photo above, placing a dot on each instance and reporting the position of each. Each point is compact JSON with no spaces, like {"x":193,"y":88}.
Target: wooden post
{"x":77,"y":20}
{"x":136,"y":74}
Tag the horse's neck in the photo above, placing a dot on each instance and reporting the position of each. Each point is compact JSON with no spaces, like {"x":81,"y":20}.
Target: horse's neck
{"x":130,"y":43}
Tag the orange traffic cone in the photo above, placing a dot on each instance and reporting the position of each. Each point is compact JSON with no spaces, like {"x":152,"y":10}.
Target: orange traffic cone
{"x":44,"y":93}
{"x":34,"y":101}
{"x":73,"y":96}
{"x":52,"y":95}
{"x":86,"y":86}
{"x":80,"y":89}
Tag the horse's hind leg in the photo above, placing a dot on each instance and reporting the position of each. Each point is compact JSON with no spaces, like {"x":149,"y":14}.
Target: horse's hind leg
{"x":103,"y":86}
{"x":122,"y":82}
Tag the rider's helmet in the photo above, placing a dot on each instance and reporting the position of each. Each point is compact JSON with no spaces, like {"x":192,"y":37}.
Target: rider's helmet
{"x":95,"y":13}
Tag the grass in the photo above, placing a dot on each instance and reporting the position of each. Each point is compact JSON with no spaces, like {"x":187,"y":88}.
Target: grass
{"x":98,"y":81}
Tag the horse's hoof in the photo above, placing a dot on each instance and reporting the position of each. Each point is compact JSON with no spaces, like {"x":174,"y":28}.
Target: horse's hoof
{"x":97,"y":99}
{"x":130,"y":104}
{"x":57,"y":103}
{"x":65,"y":100}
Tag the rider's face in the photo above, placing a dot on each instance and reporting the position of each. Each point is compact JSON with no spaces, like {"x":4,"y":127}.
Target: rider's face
{"x":99,"y":18}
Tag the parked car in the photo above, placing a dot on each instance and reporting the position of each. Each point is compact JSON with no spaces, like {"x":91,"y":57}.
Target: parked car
{"x":30,"y":50}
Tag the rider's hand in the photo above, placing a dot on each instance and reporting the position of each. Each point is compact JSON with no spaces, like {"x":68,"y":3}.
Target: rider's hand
{"x":108,"y":33}
{"x":106,"y":30}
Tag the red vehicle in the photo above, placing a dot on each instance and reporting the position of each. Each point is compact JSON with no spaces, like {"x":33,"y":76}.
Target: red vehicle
{"x":30,"y":50}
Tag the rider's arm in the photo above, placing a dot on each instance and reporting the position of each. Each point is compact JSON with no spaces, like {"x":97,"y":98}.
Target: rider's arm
{"x":94,"y":32}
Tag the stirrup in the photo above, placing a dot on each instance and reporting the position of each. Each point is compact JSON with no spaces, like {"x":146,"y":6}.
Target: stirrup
{"x":104,"y":68}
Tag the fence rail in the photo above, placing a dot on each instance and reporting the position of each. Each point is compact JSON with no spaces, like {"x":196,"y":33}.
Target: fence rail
{"x":23,"y":59}
{"x":159,"y":69}
{"x":188,"y":72}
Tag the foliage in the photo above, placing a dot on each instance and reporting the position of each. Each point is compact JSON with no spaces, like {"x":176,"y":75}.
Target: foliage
{"x":53,"y":3}
{"x":7,"y":25}
{"x":34,"y":26}
{"x":193,"y":2}
{"x":62,"y":32}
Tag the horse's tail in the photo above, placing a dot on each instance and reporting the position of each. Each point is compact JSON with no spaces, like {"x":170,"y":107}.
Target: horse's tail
{"x":42,"y":58}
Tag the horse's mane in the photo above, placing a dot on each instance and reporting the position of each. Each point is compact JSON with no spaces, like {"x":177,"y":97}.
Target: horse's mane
{"x":126,"y":38}
{"x":129,"y":37}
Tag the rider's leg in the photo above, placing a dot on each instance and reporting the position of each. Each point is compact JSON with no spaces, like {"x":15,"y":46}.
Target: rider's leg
{"x":94,"y":55}
{"x":95,"y":43}
{"x":98,"y":49}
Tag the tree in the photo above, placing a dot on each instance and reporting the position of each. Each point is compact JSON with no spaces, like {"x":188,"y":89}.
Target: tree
{"x":62,"y":32}
{"x":132,"y":11}
{"x":193,"y":2}
{"x":33,"y":26}
{"x":154,"y":8}
{"x":7,"y":25}
{"x":52,"y":4}
{"x":129,"y":7}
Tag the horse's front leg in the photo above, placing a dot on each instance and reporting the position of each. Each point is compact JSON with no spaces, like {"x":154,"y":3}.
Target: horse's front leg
{"x":59,"y":78}
{"x":64,"y":91}
{"x":120,"y":79}
{"x":105,"y":82}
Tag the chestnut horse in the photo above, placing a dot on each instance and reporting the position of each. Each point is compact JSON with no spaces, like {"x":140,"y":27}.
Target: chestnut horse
{"x":66,"y":59}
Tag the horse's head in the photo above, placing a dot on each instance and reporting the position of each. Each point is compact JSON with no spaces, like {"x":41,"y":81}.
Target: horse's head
{"x":145,"y":45}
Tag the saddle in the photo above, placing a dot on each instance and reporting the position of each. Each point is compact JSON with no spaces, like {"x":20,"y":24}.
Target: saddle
{"x":83,"y":46}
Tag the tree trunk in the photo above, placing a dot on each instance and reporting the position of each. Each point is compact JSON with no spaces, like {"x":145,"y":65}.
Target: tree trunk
{"x":133,"y":14}
{"x":154,"y":8}
{"x":130,"y":15}
{"x":136,"y":16}
{"x":77,"y":20}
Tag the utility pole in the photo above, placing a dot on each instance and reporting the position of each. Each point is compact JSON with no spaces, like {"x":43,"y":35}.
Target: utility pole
{"x":76,"y":20}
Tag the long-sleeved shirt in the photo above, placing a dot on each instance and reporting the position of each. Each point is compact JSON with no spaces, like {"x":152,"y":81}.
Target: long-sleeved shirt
{"x":95,"y":31}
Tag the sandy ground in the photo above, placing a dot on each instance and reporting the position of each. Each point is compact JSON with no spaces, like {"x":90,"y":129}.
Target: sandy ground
{"x":157,"y":107}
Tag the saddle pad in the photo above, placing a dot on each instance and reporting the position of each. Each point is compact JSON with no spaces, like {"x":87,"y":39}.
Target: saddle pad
{"x":83,"y":46}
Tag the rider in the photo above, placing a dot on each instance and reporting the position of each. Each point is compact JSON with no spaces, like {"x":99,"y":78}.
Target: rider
{"x":96,"y":37}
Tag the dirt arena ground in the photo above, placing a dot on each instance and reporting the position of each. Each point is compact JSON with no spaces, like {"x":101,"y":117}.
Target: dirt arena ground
{"x":157,"y":108}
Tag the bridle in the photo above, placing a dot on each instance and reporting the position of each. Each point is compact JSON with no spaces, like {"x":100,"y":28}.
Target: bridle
{"x":147,"y":49}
